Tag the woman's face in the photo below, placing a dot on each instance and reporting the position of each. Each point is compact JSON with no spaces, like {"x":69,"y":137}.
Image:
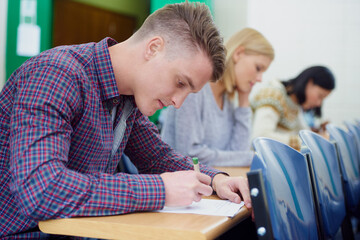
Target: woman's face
{"x":314,"y":95}
{"x":248,"y":69}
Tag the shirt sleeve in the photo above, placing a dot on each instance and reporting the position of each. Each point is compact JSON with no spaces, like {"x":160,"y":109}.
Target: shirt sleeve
{"x":238,"y":153}
{"x":242,"y":129}
{"x":153,"y":156}
{"x":184,"y":130}
{"x":40,"y":138}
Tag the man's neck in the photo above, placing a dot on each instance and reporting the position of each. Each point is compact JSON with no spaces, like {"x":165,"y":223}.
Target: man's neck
{"x":122,"y":61}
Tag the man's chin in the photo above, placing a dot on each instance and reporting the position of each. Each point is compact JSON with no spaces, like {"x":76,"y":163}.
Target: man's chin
{"x":147,"y":112}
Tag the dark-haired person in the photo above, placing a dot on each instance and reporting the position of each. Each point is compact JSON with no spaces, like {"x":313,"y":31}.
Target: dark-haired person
{"x":68,"y":115}
{"x":278,"y":106}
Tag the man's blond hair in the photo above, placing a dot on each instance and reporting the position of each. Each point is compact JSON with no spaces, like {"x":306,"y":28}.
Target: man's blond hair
{"x":187,"y":26}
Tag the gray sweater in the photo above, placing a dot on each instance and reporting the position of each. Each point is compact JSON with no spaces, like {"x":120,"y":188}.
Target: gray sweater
{"x":200,"y":128}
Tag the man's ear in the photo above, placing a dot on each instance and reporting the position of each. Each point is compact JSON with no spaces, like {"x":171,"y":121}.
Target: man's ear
{"x":154,"y":45}
{"x":237,"y":53}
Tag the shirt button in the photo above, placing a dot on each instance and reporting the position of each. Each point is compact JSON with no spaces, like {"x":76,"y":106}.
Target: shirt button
{"x":115,"y":101}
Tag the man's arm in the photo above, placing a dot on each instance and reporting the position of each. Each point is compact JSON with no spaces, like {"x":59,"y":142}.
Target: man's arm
{"x":47,"y":103}
{"x":181,"y":187}
{"x":151,"y":155}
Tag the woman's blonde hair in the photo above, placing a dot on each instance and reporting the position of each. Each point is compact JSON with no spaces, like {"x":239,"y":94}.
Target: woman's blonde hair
{"x":253,"y":42}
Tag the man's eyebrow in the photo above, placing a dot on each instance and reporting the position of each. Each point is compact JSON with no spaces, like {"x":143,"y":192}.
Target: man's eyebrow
{"x":189,"y":80}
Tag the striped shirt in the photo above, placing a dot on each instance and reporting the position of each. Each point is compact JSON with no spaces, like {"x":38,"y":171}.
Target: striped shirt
{"x":56,"y":137}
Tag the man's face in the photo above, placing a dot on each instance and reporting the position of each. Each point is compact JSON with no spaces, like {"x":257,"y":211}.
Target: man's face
{"x":167,"y":81}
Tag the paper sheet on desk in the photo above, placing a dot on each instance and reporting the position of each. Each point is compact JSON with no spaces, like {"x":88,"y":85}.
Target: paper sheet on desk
{"x":208,"y":207}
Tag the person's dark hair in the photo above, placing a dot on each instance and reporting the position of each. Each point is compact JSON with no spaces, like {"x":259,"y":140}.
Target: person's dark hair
{"x":320,"y":76}
{"x":187,"y":26}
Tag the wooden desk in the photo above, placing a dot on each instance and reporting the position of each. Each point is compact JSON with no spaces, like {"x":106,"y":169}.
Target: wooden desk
{"x":234,"y":171}
{"x":148,"y":225}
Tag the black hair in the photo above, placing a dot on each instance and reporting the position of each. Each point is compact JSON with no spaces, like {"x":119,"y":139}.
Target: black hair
{"x":320,"y":76}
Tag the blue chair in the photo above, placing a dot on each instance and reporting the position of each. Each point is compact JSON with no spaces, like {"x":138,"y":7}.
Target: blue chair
{"x":327,"y":185}
{"x":349,"y":164}
{"x":355,"y":131}
{"x":357,"y":122}
{"x":281,"y":192}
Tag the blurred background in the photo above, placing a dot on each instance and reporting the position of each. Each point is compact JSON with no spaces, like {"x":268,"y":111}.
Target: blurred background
{"x":303,"y":33}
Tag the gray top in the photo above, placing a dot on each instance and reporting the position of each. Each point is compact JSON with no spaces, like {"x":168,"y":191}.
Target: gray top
{"x":199,"y":128}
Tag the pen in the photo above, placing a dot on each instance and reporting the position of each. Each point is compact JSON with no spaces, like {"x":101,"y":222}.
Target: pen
{"x":196,"y":164}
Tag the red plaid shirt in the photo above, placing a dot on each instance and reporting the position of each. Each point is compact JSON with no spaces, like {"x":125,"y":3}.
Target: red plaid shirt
{"x":56,"y":136}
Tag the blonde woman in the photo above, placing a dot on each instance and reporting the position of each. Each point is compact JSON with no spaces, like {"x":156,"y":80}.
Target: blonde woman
{"x":215,"y":123}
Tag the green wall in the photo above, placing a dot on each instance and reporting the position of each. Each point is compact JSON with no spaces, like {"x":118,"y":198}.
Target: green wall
{"x":137,"y":8}
{"x":44,"y":21}
{"x":156,"y":4}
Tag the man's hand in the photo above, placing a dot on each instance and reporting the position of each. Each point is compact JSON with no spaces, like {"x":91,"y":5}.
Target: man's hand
{"x":233,"y":188}
{"x":184,"y":187}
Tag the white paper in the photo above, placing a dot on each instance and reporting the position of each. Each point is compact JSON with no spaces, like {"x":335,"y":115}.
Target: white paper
{"x":208,"y":207}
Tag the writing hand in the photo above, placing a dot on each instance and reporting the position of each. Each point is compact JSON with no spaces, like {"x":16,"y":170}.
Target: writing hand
{"x":184,"y":187}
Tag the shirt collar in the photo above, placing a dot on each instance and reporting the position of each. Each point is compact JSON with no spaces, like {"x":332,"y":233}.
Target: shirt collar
{"x":105,"y":74}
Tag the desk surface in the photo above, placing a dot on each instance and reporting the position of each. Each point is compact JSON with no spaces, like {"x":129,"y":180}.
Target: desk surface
{"x":149,"y":225}
{"x":234,"y":171}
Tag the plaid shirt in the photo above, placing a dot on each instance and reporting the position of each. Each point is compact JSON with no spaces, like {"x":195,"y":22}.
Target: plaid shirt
{"x":56,"y":136}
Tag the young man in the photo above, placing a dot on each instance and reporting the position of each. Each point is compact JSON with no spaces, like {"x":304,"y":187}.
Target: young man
{"x":69,"y":114}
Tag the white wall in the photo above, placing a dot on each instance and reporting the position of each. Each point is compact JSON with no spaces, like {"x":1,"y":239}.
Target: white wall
{"x":230,"y":16}
{"x":306,"y":33}
{"x":3,"y":21}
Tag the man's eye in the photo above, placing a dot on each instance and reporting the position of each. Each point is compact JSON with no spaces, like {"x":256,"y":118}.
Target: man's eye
{"x":180,"y":83}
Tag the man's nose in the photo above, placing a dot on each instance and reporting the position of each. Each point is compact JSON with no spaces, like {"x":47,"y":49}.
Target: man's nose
{"x":178,"y":100}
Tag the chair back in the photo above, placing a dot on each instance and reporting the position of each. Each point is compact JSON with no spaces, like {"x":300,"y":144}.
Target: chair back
{"x":288,"y":201}
{"x":325,"y":172}
{"x":349,"y":164}
{"x":355,"y":131}
{"x":357,"y":122}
